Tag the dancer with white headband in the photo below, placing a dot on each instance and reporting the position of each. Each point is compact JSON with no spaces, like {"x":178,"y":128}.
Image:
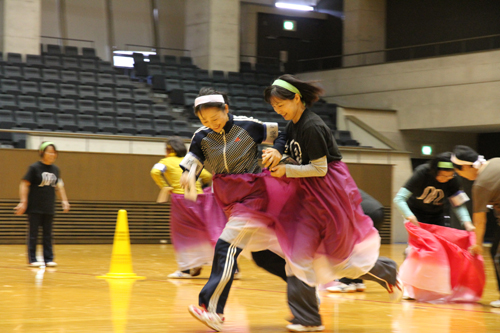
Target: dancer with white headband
{"x":326,"y":236}
{"x":485,"y":191}
{"x":227,"y":147}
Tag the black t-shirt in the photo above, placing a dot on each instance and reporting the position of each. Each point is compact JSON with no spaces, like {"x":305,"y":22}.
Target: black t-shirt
{"x":310,"y":139}
{"x":43,"y":180}
{"x":428,"y":195}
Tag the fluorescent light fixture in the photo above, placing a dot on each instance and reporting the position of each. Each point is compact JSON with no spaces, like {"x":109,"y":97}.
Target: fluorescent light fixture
{"x":146,"y":53}
{"x":294,"y":6}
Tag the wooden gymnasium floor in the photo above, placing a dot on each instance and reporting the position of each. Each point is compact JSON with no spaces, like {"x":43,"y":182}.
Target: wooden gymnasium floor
{"x":70,"y":299}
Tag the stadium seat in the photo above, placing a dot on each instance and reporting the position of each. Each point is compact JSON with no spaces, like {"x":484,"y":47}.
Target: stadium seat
{"x":27,"y":103}
{"x":46,"y":121}
{"x":143,"y":111}
{"x":69,"y":91}
{"x":124,"y":109}
{"x":7,"y":120}
{"x":30,"y":88}
{"x":70,"y":77}
{"x":106,"y":108}
{"x":25,"y":119}
{"x":87,"y":107}
{"x":87,"y":123}
{"x":68,"y":106}
{"x":66,"y":122}
{"x":126,"y":125}
{"x":48,"y":104}
{"x":145,"y":126}
{"x":163,"y":127}
{"x":49,"y":89}
{"x":88,"y":78}
{"x":51,"y":75}
{"x":106,"y":124}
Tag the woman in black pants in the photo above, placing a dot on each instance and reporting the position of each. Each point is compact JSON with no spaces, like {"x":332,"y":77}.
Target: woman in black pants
{"x":37,"y":193}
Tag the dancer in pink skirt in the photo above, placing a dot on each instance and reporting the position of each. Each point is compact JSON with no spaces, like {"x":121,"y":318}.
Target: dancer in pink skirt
{"x":195,"y":226}
{"x":323,"y":231}
{"x":227,"y":145}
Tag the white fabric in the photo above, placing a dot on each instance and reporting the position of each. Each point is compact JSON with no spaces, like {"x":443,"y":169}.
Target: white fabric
{"x":209,"y":99}
{"x":316,"y":168}
{"x":459,"y":198}
{"x":476,"y":165}
{"x":198,"y":256}
{"x":271,"y":133}
{"x":161,"y":167}
{"x":362,"y":259}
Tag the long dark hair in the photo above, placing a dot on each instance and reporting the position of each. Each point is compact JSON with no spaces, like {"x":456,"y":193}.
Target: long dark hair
{"x":211,"y":91}
{"x":177,"y":145}
{"x":309,"y":91}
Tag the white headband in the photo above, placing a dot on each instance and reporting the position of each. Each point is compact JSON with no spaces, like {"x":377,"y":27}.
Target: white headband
{"x":209,"y":99}
{"x":476,"y":165}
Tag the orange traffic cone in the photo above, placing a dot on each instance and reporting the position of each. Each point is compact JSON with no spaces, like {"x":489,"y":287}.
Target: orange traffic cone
{"x":121,"y":259}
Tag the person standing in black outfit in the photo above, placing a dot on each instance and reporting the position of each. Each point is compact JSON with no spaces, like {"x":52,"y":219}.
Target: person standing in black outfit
{"x":37,"y":198}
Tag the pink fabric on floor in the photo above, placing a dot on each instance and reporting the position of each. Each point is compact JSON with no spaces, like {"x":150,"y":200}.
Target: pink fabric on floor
{"x":195,"y":228}
{"x":439,"y":267}
{"x":319,"y":222}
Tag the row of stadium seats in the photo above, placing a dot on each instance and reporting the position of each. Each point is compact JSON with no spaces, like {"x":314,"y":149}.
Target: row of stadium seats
{"x":83,"y":106}
{"x":93,"y":124}
{"x":68,"y":63}
{"x":49,"y":89}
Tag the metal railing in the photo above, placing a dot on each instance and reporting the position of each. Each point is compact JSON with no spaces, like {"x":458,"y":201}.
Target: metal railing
{"x":421,"y":51}
{"x":60,"y":40}
{"x":158,"y":50}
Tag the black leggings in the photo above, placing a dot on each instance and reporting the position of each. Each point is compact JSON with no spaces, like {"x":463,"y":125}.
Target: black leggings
{"x":45,"y":221}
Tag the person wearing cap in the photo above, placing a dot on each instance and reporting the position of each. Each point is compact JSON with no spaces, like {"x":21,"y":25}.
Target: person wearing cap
{"x":485,"y":192}
{"x":327,"y":236}
{"x":421,"y":201}
{"x":37,"y":199}
{"x":194,"y":226}
{"x":421,"y":198}
{"x":227,"y":146}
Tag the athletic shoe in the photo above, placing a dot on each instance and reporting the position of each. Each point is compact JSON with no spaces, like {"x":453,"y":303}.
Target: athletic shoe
{"x":406,"y":296}
{"x":179,"y":275}
{"x":301,"y":328}
{"x":396,"y":291}
{"x":360,"y":286}
{"x":495,"y":304}
{"x":342,"y":288}
{"x":195,"y":271}
{"x":36,"y":264}
{"x":51,"y":264}
{"x":212,"y":320}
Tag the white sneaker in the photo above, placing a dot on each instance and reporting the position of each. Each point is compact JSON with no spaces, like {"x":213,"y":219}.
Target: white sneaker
{"x":301,"y":328}
{"x":396,"y":291}
{"x":495,"y":304}
{"x":51,"y":264}
{"x":212,"y":320}
{"x":36,"y":264}
{"x":360,"y":286}
{"x":342,"y":288}
{"x":179,"y":275}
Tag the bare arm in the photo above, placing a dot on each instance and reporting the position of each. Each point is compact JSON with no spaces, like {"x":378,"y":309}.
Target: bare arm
{"x":479,"y":220}
{"x":24,"y":188}
{"x":61,"y":193}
